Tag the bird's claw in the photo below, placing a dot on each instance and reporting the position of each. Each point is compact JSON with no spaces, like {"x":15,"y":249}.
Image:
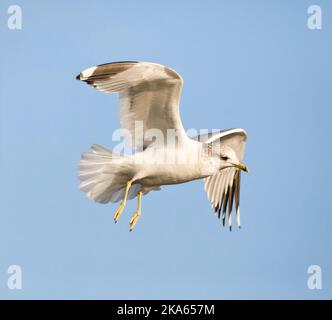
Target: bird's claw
{"x":118,"y":213}
{"x":134,"y":220}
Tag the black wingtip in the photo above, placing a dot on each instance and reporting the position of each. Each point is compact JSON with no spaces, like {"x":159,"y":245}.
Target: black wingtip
{"x":78,"y":77}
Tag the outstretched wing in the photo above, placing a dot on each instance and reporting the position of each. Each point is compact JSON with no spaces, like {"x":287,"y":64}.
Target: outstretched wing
{"x":223,"y":188}
{"x":149,"y":93}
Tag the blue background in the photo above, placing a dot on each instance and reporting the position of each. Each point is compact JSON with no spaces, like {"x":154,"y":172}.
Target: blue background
{"x":249,"y":64}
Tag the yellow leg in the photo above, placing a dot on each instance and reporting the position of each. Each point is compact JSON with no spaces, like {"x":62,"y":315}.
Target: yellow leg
{"x":137,"y":214}
{"x":123,"y":203}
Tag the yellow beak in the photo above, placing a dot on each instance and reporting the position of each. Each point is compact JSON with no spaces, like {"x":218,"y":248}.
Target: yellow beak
{"x":242,"y":167}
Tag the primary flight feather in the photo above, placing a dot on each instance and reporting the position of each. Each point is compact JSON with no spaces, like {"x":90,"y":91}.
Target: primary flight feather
{"x":164,"y":154}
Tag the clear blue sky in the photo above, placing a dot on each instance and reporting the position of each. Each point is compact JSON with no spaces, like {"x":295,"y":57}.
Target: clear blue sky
{"x":249,"y":64}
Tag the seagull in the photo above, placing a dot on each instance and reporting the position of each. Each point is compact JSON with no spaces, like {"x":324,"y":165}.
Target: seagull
{"x":163,"y":153}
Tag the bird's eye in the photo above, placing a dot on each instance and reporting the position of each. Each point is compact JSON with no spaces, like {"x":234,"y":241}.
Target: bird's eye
{"x":224,"y":158}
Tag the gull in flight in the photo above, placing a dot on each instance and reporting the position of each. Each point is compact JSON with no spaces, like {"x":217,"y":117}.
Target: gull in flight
{"x":163,"y":153}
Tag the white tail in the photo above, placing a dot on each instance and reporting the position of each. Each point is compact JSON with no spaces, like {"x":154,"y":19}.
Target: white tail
{"x":104,"y":174}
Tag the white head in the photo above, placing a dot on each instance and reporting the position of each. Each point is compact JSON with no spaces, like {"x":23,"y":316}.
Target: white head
{"x":226,"y":155}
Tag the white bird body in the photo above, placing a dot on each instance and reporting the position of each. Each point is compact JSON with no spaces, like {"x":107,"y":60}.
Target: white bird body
{"x":150,"y":93}
{"x":173,"y":165}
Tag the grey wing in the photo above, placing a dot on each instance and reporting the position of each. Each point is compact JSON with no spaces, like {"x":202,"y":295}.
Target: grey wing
{"x":149,"y":95}
{"x":223,"y":189}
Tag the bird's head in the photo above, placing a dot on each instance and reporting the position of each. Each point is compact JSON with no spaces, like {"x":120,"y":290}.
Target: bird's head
{"x":227,"y":157}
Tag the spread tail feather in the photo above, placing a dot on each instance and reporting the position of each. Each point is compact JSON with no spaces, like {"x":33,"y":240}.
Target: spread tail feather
{"x":104,"y":174}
